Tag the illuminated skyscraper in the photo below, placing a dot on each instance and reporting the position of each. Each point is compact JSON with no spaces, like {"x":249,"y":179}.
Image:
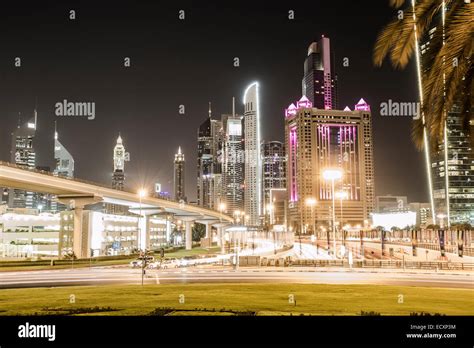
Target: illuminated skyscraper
{"x":320,"y":139}
{"x":452,"y":160}
{"x":64,"y":160}
{"x":253,"y":164}
{"x":179,"y":177}
{"x":232,"y":163}
{"x":120,"y":157}
{"x":209,"y":166}
{"x":23,"y":154}
{"x":319,"y":80}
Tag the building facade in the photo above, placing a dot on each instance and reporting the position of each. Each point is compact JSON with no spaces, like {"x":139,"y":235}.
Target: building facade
{"x":253,"y":202}
{"x":179,"y":177}
{"x":319,"y":139}
{"x":273,"y":171}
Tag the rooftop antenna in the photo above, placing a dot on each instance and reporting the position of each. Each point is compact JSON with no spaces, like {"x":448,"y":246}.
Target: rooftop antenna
{"x":55,"y":130}
{"x":210,"y":110}
{"x":233,"y":106}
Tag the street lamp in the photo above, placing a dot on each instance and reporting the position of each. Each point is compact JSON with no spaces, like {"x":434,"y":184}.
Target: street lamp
{"x":341,"y":195}
{"x":333,"y":175}
{"x":310,"y":201}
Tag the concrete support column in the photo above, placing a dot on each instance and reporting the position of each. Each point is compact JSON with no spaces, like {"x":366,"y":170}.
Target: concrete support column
{"x":77,"y":234}
{"x":146,"y":232}
{"x":221,"y":238}
{"x":168,"y":231}
{"x":189,"y":235}
{"x":208,"y":230}
{"x":81,"y":239}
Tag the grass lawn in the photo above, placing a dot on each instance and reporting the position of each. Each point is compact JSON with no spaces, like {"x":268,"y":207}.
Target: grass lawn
{"x":194,"y":251}
{"x":263,"y":299}
{"x":32,"y":267}
{"x":176,"y":254}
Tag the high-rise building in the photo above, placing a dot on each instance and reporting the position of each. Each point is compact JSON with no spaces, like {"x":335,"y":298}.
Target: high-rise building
{"x":120,"y":157}
{"x":454,"y":194}
{"x":64,"y":160}
{"x":232,"y":162}
{"x":319,"y":139}
{"x":253,"y":165}
{"x":209,"y":166}
{"x":319,"y":80}
{"x":179,"y":177}
{"x":23,"y":154}
{"x":452,"y":160}
{"x":274,"y":172}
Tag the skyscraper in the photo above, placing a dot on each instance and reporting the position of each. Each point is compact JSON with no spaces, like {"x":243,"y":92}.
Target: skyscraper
{"x":319,"y":80}
{"x":120,"y":157}
{"x":179,"y":177}
{"x":320,"y":139}
{"x":23,"y":154}
{"x":274,"y":171}
{"x":232,"y":163}
{"x":452,"y":168}
{"x":209,"y":166}
{"x":253,"y":165}
{"x":452,"y":160}
{"x":64,"y":160}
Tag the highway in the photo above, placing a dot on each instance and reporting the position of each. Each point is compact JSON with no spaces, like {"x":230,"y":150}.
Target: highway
{"x":213,"y":274}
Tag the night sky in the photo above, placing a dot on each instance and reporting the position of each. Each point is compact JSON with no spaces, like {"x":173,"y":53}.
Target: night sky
{"x":190,"y":62}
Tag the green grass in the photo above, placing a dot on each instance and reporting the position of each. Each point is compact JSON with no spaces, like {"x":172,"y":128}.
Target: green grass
{"x":265,"y":299}
{"x":193,"y":252}
{"x":30,"y":266}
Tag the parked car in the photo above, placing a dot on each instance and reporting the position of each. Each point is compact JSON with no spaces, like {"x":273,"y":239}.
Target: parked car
{"x":170,"y":263}
{"x":139,"y":262}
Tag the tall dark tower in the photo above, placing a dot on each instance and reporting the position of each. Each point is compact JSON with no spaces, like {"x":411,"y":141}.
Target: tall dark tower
{"x":209,"y":171}
{"x":319,"y":81}
{"x":179,"y":177}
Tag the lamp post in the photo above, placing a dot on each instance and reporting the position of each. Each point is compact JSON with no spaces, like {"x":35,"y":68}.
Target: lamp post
{"x":333,"y":175}
{"x":312,"y":202}
{"x":341,"y":195}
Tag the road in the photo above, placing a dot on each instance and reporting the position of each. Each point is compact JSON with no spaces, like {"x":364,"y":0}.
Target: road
{"x":210,"y":274}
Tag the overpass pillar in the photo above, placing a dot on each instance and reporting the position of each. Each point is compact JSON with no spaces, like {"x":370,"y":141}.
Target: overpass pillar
{"x":81,"y":238}
{"x":78,"y":247}
{"x":221,"y":239}
{"x":189,"y":234}
{"x":208,"y":230}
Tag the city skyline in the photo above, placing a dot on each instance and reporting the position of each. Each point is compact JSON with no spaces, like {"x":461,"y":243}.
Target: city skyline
{"x":306,"y":161}
{"x":140,"y":117}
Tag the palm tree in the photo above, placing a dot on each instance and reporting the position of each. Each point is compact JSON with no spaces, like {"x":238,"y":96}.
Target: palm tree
{"x":448,"y":68}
